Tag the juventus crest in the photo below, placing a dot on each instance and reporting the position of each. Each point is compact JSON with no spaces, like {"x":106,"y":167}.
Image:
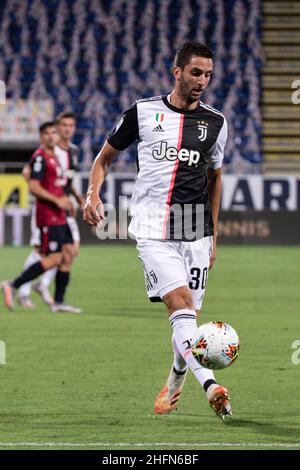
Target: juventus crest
{"x":202,"y":128}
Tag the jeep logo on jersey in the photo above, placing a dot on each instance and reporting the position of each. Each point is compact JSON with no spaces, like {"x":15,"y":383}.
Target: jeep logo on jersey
{"x":202,"y":127}
{"x":171,"y":154}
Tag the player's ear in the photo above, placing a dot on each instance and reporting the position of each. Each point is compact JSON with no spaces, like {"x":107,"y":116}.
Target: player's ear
{"x":177,"y":73}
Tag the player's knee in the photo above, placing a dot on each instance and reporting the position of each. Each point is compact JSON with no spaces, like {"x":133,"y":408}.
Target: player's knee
{"x":75,"y":249}
{"x":57,"y":257}
{"x":178,"y":299}
{"x":74,"y":252}
{"x":70,"y":251}
{"x":52,"y":260}
{"x":66,"y":261}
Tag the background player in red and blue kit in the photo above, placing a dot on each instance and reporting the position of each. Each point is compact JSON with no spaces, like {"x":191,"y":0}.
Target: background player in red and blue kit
{"x":47,"y":185}
{"x":67,"y":155}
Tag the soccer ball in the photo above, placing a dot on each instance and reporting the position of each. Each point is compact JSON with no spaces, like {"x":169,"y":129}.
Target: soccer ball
{"x":216,"y":346}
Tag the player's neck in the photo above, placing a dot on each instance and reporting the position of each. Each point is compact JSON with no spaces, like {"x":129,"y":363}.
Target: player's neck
{"x":179,"y":102}
{"x":49,"y":151}
{"x":64,"y":144}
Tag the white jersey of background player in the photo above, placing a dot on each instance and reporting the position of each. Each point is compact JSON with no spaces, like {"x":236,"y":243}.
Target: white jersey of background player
{"x":181,"y":144}
{"x":67,"y":156}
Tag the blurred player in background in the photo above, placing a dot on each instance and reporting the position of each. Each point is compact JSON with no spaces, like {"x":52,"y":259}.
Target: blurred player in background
{"x":67,"y":155}
{"x":46,"y":183}
{"x":181,"y":145}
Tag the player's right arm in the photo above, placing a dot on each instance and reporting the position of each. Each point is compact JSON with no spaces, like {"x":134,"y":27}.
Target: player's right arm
{"x":37,"y":173}
{"x":38,"y":191}
{"x":124,"y":134}
{"x":93,"y":211}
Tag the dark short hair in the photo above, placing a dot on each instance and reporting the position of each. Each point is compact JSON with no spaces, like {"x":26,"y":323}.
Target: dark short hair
{"x":184,"y":53}
{"x":46,"y":125}
{"x":63,"y":115}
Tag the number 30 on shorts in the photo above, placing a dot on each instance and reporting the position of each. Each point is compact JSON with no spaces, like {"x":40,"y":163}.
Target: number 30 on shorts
{"x":199,"y":277}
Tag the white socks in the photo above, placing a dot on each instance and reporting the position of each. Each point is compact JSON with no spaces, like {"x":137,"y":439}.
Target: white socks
{"x":47,"y":277}
{"x":185,"y":329}
{"x":31,"y":259}
{"x":179,"y":363}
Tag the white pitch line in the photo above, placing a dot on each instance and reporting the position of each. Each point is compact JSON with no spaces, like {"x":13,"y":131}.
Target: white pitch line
{"x":150,"y":444}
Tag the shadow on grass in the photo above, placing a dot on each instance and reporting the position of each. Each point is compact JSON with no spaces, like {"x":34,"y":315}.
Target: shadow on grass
{"x":264,"y":428}
{"x":134,"y":312}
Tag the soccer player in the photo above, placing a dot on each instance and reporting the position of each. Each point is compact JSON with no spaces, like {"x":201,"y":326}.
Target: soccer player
{"x":41,"y":287}
{"x":67,"y":155}
{"x":181,"y":145}
{"x":47,"y":185}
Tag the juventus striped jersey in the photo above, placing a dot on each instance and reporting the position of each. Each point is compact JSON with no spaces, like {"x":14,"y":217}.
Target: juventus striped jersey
{"x":68,"y":160}
{"x":175,"y":149}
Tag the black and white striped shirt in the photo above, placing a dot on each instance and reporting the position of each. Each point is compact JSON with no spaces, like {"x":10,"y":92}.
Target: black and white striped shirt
{"x":175,"y":149}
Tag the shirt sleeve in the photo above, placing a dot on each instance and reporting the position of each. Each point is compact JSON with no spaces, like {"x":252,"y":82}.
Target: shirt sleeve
{"x":216,"y":153}
{"x":38,"y":168}
{"x":126,"y":131}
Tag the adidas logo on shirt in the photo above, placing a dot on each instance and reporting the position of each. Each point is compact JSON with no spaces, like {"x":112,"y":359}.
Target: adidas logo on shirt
{"x":158,"y":129}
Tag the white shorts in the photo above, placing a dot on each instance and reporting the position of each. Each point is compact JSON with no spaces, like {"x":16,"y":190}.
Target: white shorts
{"x":172,"y":264}
{"x":73,"y":225}
{"x":35,"y":239}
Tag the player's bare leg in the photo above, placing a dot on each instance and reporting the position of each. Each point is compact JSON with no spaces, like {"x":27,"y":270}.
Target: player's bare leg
{"x":183,"y":319}
{"x":42,"y":287}
{"x":75,"y":249}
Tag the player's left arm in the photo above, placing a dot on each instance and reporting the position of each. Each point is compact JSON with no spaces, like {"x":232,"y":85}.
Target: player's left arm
{"x":214,"y":191}
{"x":214,"y":174}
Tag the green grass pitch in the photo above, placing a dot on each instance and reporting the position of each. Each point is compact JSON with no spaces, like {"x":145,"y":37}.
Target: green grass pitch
{"x":90,"y":380}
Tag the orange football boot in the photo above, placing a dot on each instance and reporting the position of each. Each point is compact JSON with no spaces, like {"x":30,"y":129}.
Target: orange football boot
{"x":7,"y":291}
{"x":218,"y":399}
{"x":167,"y":399}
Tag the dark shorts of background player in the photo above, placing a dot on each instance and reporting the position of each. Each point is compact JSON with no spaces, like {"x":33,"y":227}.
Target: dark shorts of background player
{"x":54,"y":237}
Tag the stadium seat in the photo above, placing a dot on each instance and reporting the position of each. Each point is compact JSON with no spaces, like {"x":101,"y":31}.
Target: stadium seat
{"x":104,"y":55}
